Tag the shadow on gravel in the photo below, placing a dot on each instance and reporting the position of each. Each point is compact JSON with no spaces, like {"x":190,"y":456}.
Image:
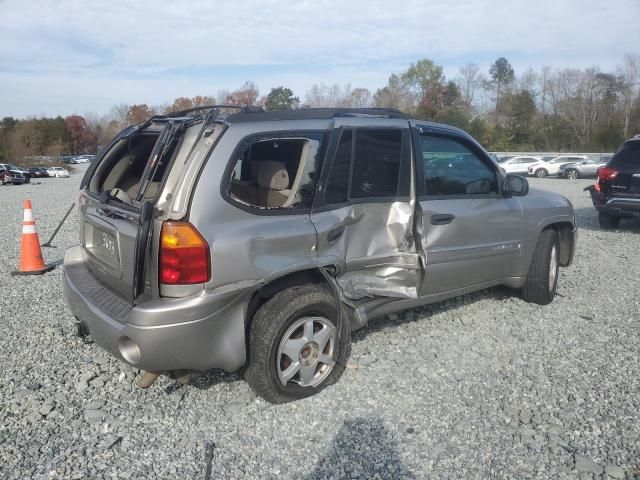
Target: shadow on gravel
{"x":361,"y":449}
{"x":205,"y":380}
{"x":587,"y":219}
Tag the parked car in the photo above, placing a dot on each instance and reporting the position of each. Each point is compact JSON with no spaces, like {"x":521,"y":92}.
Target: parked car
{"x":58,"y":172}
{"x":13,"y":175}
{"x":520,"y":164}
{"x":264,"y":238}
{"x":552,"y":167}
{"x":616,"y":192}
{"x":38,"y":172}
{"x":587,"y":168}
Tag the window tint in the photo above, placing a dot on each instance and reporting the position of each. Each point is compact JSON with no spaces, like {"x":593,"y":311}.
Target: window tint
{"x":627,"y":157}
{"x":450,"y":168}
{"x":338,"y":182}
{"x":377,"y":161}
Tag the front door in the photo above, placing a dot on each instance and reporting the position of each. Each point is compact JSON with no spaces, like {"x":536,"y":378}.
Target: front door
{"x":470,"y":233}
{"x":364,"y":211}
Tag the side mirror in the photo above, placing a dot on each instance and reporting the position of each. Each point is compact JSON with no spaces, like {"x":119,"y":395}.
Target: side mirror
{"x":515,"y":185}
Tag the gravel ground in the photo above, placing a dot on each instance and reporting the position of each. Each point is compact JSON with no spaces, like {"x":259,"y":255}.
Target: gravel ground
{"x":482,"y":386}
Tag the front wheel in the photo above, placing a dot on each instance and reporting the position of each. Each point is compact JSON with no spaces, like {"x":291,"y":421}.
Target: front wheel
{"x":607,"y":221}
{"x":573,"y":175}
{"x":541,"y":173}
{"x":542,"y":279}
{"x":299,"y":343}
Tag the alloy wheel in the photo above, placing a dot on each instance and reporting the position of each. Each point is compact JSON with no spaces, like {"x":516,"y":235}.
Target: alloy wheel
{"x":306,"y":352}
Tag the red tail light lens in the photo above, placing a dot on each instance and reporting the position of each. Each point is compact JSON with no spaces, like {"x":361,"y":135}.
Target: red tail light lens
{"x":606,"y":173}
{"x":184,"y":255}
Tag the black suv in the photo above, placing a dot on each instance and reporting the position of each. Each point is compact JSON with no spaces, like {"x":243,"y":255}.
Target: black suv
{"x":616,"y":193}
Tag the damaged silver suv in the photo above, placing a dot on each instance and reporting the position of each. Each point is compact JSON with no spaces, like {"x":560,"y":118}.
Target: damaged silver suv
{"x":215,"y":238}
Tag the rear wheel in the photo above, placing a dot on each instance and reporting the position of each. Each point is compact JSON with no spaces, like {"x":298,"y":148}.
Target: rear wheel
{"x":573,"y":174}
{"x":299,"y":344}
{"x":541,"y":173}
{"x":607,"y":221}
{"x":542,"y":279}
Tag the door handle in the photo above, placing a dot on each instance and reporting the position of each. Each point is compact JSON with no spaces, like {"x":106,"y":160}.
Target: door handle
{"x":355,"y":215}
{"x":442,"y":219}
{"x":335,"y":234}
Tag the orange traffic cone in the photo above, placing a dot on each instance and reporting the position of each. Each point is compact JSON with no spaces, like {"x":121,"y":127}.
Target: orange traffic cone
{"x":31,"y":262}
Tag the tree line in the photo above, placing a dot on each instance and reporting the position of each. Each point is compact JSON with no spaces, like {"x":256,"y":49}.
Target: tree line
{"x":546,"y":110}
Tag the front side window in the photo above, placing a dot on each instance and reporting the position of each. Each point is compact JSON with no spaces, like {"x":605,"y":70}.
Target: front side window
{"x":277,"y":173}
{"x":450,"y":168}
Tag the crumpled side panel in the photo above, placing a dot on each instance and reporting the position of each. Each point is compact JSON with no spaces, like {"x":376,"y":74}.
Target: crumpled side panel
{"x":381,"y":259}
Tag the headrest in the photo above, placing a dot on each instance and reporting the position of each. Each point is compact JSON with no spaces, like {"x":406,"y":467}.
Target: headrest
{"x":272,"y":175}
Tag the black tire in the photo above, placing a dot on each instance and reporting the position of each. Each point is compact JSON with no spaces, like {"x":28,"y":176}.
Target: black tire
{"x":608,"y":222}
{"x":270,"y":324}
{"x":539,"y":287}
{"x":541,"y":173}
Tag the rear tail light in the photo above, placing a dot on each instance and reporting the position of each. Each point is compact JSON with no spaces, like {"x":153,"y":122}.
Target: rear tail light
{"x":184,"y":255}
{"x":605,"y":173}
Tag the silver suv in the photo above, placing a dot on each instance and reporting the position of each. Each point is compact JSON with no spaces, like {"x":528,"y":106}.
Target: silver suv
{"x":211,"y":239}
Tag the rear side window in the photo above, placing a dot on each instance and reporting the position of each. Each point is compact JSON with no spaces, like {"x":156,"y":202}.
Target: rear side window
{"x":628,"y":157}
{"x":376,"y":169}
{"x":277,"y":172}
{"x":369,"y":163}
{"x":338,"y":183}
{"x":450,"y":168}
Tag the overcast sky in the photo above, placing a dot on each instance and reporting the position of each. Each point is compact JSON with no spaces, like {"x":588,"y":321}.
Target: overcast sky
{"x":78,"y":56}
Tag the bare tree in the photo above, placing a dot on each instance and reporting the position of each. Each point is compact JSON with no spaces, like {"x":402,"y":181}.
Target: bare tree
{"x":629,"y":73}
{"x":470,"y":80}
{"x":360,"y":98}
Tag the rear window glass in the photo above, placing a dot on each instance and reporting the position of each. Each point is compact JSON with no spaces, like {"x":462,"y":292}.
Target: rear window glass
{"x":627,"y":157}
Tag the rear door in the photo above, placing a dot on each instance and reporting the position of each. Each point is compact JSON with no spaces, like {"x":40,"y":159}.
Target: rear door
{"x":112,"y":226}
{"x":364,"y":212}
{"x":469,"y":232}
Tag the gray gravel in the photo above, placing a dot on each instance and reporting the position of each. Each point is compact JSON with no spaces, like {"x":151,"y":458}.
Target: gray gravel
{"x":483,"y":386}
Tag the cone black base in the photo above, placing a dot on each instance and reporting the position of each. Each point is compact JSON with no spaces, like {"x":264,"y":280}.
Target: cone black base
{"x":34,"y":272}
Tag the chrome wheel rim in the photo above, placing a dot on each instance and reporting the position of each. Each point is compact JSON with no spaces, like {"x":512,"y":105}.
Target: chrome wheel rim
{"x":553,"y":268}
{"x":540,"y":173}
{"x":306,"y":352}
{"x":572,"y":175}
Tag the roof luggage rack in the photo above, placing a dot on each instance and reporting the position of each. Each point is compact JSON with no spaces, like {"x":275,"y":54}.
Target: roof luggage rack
{"x":251,"y":114}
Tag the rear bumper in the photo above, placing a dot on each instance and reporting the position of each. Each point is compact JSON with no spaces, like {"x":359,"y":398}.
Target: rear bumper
{"x":198,"y":332}
{"x":628,"y":207}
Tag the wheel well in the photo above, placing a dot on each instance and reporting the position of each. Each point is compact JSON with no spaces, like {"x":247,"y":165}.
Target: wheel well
{"x":305,"y":277}
{"x":565,"y":239}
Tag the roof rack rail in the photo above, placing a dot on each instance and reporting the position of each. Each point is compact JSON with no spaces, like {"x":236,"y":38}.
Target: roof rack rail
{"x":247,"y":114}
{"x":203,"y":107}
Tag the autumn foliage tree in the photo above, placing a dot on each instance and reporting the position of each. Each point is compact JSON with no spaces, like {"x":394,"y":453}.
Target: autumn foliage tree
{"x":139,"y":113}
{"x":81,"y":137}
{"x":244,"y":96}
{"x":185,"y":103}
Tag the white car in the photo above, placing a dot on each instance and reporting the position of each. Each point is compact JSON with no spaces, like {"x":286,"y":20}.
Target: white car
{"x":519,"y":165}
{"x":57,"y":172}
{"x":552,"y":167}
